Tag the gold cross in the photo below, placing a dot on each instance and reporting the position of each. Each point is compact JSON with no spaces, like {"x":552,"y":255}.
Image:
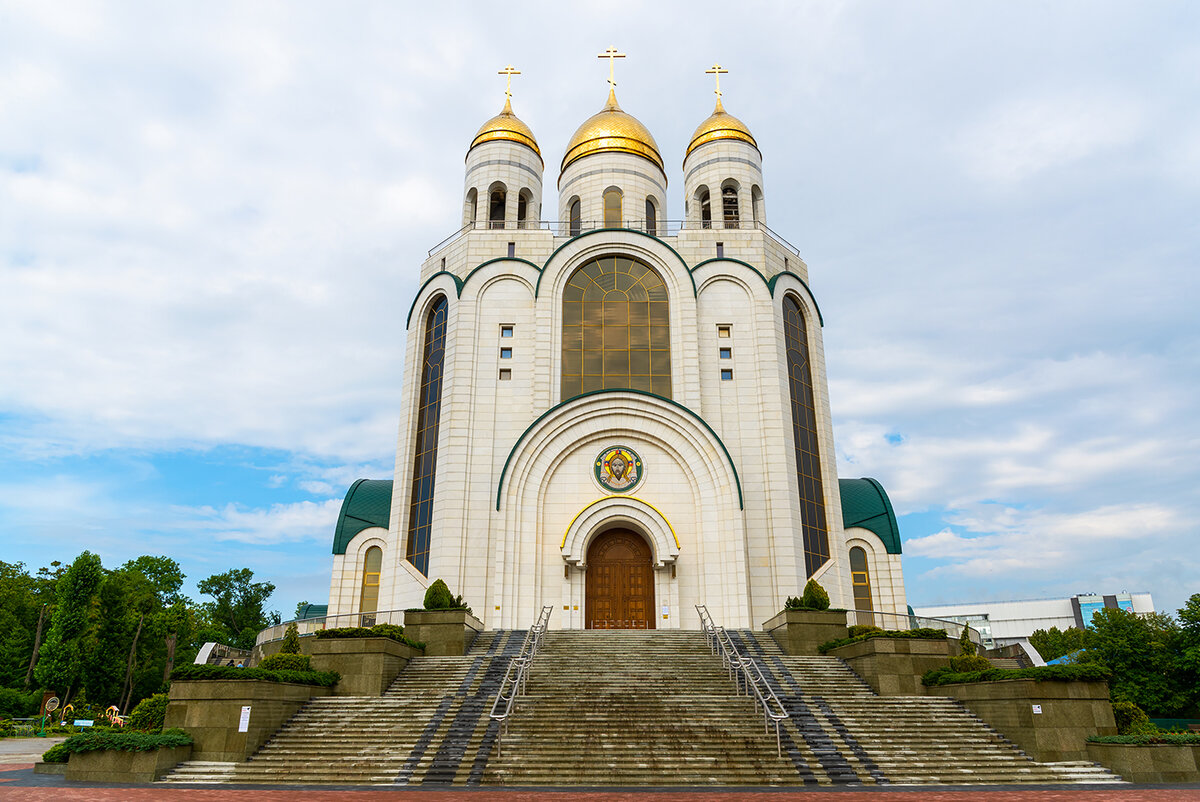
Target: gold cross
{"x":718,"y":71}
{"x":611,"y":54}
{"x":508,"y":72}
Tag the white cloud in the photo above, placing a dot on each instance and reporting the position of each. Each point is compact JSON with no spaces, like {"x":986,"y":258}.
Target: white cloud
{"x":305,"y":520}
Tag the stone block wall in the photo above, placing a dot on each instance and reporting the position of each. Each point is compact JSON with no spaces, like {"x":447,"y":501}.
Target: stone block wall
{"x":1149,"y":763}
{"x":800,"y":632}
{"x":444,"y":632}
{"x":894,"y":666}
{"x":116,"y":766}
{"x":367,"y":665}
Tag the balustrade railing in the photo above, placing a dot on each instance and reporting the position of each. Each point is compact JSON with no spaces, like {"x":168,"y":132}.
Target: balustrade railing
{"x":308,"y":626}
{"x":953,"y":629}
{"x":517,"y":675}
{"x":747,"y":676}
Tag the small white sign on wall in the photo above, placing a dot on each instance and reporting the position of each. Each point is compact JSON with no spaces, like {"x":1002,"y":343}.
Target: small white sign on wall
{"x":244,"y":721}
{"x":1037,"y":710}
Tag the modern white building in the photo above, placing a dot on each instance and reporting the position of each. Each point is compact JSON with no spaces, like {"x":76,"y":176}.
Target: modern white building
{"x":1005,"y":622}
{"x":612,"y":413}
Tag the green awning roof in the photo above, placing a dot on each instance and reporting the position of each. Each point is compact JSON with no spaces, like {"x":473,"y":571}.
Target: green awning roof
{"x":865,"y":504}
{"x":368,"y":503}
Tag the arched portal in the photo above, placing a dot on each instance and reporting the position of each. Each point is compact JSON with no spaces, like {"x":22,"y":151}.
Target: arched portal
{"x":620,"y":582}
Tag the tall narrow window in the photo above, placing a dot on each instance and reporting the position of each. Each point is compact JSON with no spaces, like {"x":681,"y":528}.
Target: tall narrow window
{"x":522,"y":209}
{"x":651,"y":218}
{"x":612,"y":208}
{"x":729,"y":206}
{"x":804,"y":436}
{"x":756,"y":203}
{"x":368,"y":603}
{"x":860,"y":580}
{"x":469,"y":205}
{"x":429,"y":403}
{"x":616,"y":329}
{"x":576,"y":218}
{"x":705,"y":209}
{"x":496,"y":203}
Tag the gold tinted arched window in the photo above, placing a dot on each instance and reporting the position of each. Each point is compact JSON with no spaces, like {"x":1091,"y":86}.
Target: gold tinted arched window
{"x":576,"y":218}
{"x":612,"y":208}
{"x":616,"y":329}
{"x":860,"y":580}
{"x":804,"y":437}
{"x":372,"y":567}
{"x":429,"y":410}
{"x":651,"y":218}
{"x":705,"y":209}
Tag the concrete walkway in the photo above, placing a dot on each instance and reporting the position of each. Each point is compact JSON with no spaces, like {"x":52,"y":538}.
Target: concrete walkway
{"x":21,"y":751}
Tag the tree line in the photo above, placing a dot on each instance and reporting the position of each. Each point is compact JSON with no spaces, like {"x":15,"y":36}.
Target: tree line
{"x":113,"y":635}
{"x":1155,"y":658}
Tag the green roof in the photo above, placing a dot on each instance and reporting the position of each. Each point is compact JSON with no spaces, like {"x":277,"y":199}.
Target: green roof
{"x":368,"y":503}
{"x":865,"y":504}
{"x":313,"y":611}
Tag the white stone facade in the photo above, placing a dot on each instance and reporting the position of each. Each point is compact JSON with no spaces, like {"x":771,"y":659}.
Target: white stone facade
{"x":516,"y":501}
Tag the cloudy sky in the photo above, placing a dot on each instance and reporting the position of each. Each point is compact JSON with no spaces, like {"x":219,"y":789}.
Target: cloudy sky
{"x":212,"y":216}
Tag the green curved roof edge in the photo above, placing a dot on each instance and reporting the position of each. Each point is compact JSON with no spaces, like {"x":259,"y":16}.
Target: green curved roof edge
{"x":736,"y":478}
{"x":458,"y":285}
{"x":865,"y":504}
{"x":804,"y":284}
{"x":368,"y":503}
{"x":538,"y":287}
{"x":313,"y":611}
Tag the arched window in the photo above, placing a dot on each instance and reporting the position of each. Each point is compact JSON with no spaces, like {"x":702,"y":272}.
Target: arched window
{"x":368,"y":603}
{"x":429,"y":403}
{"x":612,"y":208}
{"x":729,"y":205}
{"x":705,"y":208}
{"x":616,"y":329}
{"x":860,"y":580}
{"x":756,"y":204}
{"x":651,"y":217}
{"x":469,"y":206}
{"x":496,"y":203}
{"x":523,"y":201}
{"x":576,"y":218}
{"x":804,"y":436}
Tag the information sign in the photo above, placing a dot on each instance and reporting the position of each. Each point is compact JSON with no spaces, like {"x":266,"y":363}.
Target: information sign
{"x":244,"y":721}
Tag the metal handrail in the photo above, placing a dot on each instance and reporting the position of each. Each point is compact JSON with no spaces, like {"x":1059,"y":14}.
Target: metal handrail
{"x":517,"y":675}
{"x":747,"y":676}
{"x":910,"y":621}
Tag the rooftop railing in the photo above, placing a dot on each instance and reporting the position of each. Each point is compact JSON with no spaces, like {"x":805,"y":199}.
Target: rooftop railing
{"x":308,"y":626}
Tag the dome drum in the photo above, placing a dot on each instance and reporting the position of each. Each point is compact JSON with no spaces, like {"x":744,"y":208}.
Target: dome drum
{"x":503,"y":183}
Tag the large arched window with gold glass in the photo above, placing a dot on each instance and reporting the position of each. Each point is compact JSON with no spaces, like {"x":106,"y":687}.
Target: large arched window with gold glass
{"x":429,"y":409}
{"x":616,"y":329}
{"x":860,"y":581}
{"x":804,"y":436}
{"x":368,"y":603}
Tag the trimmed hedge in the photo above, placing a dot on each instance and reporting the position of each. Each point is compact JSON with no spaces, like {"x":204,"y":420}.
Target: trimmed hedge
{"x":900,"y":634}
{"x":1169,"y":738}
{"x":117,"y":742}
{"x":149,"y":714}
{"x":286,"y":661}
{"x":392,"y":631}
{"x":1088,"y":672}
{"x":193,"y":672}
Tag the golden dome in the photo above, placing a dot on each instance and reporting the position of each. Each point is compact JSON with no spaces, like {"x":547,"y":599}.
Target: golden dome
{"x":506,"y":126}
{"x":721,"y":125}
{"x":612,"y":130}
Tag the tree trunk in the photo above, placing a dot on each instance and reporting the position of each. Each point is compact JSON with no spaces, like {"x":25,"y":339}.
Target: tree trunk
{"x":171,"y":638}
{"x":128,"y":690}
{"x":37,"y":644}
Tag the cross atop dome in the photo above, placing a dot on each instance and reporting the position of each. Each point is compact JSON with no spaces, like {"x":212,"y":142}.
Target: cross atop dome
{"x":508,"y":72}
{"x":612,"y":55}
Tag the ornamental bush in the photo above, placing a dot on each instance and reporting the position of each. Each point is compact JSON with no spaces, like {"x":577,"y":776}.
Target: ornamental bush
{"x":392,"y":631}
{"x":966,"y":646}
{"x":1131,"y":719}
{"x":56,"y":754}
{"x":291,"y":640}
{"x":186,"y":673}
{"x":286,"y":661}
{"x":863,"y":629}
{"x":149,"y":714}
{"x":815,"y":597}
{"x":438,"y":596}
{"x":1088,"y":672}
{"x":127,"y":741}
{"x":969,"y":662}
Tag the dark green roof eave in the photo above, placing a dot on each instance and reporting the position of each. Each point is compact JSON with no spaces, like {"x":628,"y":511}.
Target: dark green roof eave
{"x":368,"y":503}
{"x":865,"y":504}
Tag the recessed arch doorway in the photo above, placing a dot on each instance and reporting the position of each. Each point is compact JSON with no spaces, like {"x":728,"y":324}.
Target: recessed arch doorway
{"x":619,"y":584}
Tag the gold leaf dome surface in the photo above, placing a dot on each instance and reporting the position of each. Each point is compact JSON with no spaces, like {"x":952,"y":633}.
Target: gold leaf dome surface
{"x":612,"y":130}
{"x":506,"y":126}
{"x":721,"y":125}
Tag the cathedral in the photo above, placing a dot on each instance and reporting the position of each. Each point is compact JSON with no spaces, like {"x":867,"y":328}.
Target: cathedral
{"x":612,"y":413}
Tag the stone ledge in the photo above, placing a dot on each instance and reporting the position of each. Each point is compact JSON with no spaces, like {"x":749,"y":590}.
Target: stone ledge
{"x":367,"y":665}
{"x":445,"y":633}
{"x":894,"y":666}
{"x":116,"y":766}
{"x":800,"y":632}
{"x":1149,"y":763}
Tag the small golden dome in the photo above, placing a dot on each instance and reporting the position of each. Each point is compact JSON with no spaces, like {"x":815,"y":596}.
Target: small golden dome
{"x":721,"y":125}
{"x":612,"y":130}
{"x":506,"y":126}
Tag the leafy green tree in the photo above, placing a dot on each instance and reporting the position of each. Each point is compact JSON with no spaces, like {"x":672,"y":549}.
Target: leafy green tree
{"x":61,"y":658}
{"x":1189,"y":652}
{"x":25,"y":603}
{"x":1054,"y":643}
{"x":1141,"y":651}
{"x":236,"y":615}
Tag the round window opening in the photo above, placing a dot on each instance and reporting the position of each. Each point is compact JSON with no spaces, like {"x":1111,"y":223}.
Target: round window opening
{"x":618,"y":469}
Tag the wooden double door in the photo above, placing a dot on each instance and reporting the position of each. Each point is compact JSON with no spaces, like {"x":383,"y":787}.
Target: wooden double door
{"x":619,"y":590}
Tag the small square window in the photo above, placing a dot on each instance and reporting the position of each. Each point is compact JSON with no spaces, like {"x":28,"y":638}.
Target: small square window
{"x":723,"y":331}
{"x":505,"y":374}
{"x":506,"y":331}
{"x":726,"y":353}
{"x":726,"y":374}
{"x":506,"y":353}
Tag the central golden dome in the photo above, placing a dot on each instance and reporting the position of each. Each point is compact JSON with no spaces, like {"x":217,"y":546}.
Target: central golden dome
{"x":721,"y":125}
{"x":612,"y":130}
{"x":506,"y":126}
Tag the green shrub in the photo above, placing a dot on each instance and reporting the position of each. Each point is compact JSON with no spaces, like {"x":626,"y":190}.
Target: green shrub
{"x":392,"y":631}
{"x":194,"y":672}
{"x":56,"y":754}
{"x":923,"y":633}
{"x":286,"y":661}
{"x":863,"y":629}
{"x":14,"y":704}
{"x":128,"y":741}
{"x":1155,"y":737}
{"x":7,"y":727}
{"x":1087,"y":672}
{"x":966,"y":646}
{"x":969,"y":662}
{"x":438,"y":596}
{"x":1131,"y":719}
{"x":291,"y":640}
{"x":815,"y":597}
{"x":149,"y":714}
